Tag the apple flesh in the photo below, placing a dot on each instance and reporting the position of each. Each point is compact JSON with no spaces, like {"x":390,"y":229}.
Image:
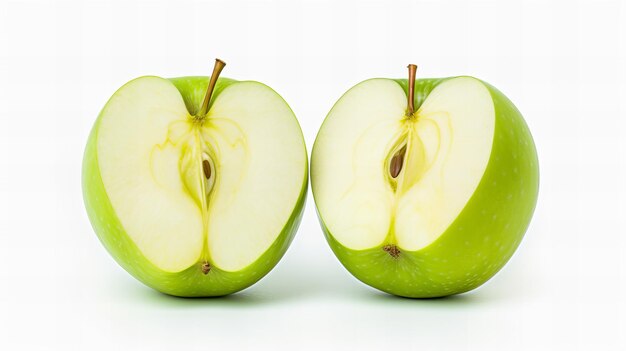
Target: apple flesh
{"x":426,"y":202}
{"x":195,"y":203}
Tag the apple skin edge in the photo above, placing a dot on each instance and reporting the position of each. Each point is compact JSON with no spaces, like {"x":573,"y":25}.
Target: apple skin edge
{"x":485,"y":234}
{"x":190,"y":282}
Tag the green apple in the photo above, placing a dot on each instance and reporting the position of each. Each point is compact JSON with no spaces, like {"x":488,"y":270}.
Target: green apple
{"x":424,"y":188}
{"x":196,"y":187}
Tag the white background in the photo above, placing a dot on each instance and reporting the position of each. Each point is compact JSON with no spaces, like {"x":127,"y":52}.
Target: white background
{"x":562,"y":63}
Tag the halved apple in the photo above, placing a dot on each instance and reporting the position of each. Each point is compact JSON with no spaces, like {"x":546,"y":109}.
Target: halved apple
{"x":425,"y":192}
{"x":195,"y":187}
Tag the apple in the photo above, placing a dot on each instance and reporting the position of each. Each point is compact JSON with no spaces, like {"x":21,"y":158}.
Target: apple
{"x":196,"y":187}
{"x":424,"y":188}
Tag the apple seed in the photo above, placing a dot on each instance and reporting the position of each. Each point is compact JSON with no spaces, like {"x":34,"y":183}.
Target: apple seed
{"x":206,"y":167}
{"x":396,"y":162}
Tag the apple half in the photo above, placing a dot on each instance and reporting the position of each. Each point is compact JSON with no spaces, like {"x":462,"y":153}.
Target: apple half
{"x":424,"y":188}
{"x":195,"y":186}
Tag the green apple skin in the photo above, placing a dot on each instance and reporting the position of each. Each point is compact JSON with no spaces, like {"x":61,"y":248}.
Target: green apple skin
{"x":485,"y":234}
{"x":190,"y":282}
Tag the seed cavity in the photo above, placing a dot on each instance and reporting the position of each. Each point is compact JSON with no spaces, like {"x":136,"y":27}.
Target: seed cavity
{"x":397,"y":161}
{"x":206,"y":268}
{"x":206,"y":167}
{"x":392,"y":250}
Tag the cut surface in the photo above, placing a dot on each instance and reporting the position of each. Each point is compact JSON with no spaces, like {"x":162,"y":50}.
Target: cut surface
{"x":215,"y":192}
{"x":381,"y":177}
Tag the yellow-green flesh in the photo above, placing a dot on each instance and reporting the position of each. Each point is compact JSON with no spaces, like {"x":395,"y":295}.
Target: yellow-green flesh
{"x":448,"y":143}
{"x":150,"y":156}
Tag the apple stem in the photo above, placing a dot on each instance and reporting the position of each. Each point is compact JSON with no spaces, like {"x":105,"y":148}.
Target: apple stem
{"x":411,"y":96}
{"x":217,"y":69}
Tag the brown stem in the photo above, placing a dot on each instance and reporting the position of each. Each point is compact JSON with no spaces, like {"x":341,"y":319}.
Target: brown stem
{"x":411,"y":97}
{"x":217,"y":69}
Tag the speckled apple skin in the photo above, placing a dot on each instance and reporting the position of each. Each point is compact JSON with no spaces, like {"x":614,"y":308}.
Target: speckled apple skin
{"x":485,"y":234}
{"x":190,"y":282}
